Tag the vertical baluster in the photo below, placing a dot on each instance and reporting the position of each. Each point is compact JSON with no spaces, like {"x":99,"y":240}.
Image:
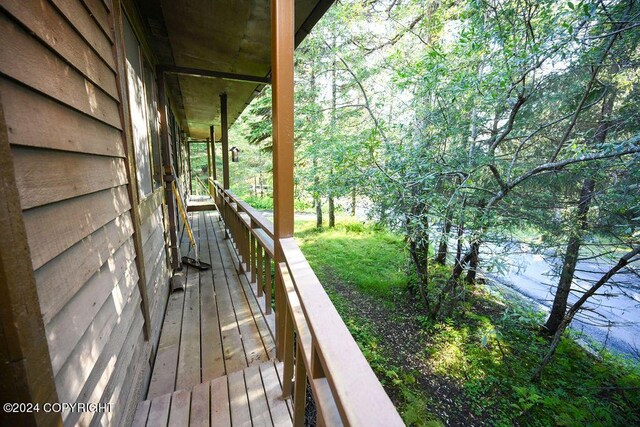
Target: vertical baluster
{"x":252,"y":255}
{"x":260,"y":270}
{"x":300,"y":388}
{"x":267,"y":285}
{"x":288,"y":354}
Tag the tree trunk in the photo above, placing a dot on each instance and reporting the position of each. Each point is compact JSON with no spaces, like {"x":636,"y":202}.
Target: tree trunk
{"x":572,"y":252}
{"x":578,"y":305}
{"x":570,"y":260}
{"x":353,"y":201}
{"x":332,"y":213}
{"x":318,"y":212}
{"x":473,"y":262}
{"x":316,"y":197}
{"x":441,"y":256}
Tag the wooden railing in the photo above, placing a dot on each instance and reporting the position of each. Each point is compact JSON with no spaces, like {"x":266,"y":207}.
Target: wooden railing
{"x":311,"y":338}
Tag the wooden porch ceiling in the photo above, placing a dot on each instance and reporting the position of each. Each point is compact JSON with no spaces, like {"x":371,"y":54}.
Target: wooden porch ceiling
{"x":231,"y":36}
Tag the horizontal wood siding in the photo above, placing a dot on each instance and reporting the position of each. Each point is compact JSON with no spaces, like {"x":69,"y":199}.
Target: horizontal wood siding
{"x":61,"y":101}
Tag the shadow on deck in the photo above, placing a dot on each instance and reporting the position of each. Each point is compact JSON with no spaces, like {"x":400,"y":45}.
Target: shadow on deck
{"x":215,"y":359}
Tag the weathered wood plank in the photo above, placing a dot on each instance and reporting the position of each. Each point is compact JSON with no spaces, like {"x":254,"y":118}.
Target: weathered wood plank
{"x":126,"y":392}
{"x":142,"y":413}
{"x":88,"y":50}
{"x":200,"y":405}
{"x":54,"y":228}
{"x":159,"y":412}
{"x":153,"y":249}
{"x":81,"y":362}
{"x":79,"y":16}
{"x":220,"y":415}
{"x":189,"y":359}
{"x":46,"y":176}
{"x":212,"y":352}
{"x":277,"y":407}
{"x":27,"y":60}
{"x":238,"y":402}
{"x":163,"y":379}
{"x":151,"y":225}
{"x":257,"y":401}
{"x":180,"y":404}
{"x":100,"y":14}
{"x":109,"y":372}
{"x":149,"y":205}
{"x":37,"y":121}
{"x":159,"y":282}
{"x":69,"y":325}
{"x":56,"y":286}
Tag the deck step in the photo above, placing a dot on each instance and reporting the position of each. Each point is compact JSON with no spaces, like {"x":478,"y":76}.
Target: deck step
{"x":200,"y":203}
{"x":252,"y":396}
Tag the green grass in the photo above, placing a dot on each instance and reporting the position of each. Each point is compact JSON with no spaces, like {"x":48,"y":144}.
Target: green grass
{"x":371,"y":260}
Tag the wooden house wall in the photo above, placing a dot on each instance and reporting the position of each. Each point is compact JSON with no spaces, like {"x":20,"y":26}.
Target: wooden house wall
{"x":59,"y":89}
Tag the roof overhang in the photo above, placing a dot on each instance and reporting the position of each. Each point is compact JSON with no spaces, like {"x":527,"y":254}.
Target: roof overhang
{"x":210,"y":47}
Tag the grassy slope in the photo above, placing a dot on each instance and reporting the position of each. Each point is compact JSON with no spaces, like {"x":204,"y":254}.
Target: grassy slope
{"x":488,"y":348}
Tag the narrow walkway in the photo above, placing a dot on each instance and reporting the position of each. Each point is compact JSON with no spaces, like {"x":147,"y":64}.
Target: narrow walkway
{"x":214,"y":333}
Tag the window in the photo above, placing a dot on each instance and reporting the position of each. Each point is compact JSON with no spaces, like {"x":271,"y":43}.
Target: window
{"x":138,"y":110}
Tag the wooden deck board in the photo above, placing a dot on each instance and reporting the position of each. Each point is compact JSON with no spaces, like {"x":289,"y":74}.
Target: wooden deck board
{"x":240,"y":415}
{"x":257,"y":401}
{"x":213,"y":365}
{"x":166,"y":363}
{"x":200,"y":404}
{"x":189,"y":359}
{"x":220,"y":415}
{"x":180,"y":404}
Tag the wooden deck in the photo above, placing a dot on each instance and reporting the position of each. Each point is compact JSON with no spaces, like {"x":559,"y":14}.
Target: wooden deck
{"x":216,"y":346}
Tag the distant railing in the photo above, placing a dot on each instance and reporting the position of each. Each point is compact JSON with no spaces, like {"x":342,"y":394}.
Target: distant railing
{"x":311,"y":338}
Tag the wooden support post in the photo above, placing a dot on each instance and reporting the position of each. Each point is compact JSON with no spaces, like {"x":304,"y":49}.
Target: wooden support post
{"x":190,"y":186}
{"x":213,"y":153}
{"x":282,"y":45}
{"x":208,"y":159}
{"x":168,"y":174}
{"x":224,"y":124}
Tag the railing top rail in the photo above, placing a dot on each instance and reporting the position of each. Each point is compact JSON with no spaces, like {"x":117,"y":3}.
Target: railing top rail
{"x":255,"y":215}
{"x":358,"y":393}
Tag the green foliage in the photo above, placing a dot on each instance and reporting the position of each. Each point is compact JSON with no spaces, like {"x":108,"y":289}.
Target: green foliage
{"x":493,"y":355}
